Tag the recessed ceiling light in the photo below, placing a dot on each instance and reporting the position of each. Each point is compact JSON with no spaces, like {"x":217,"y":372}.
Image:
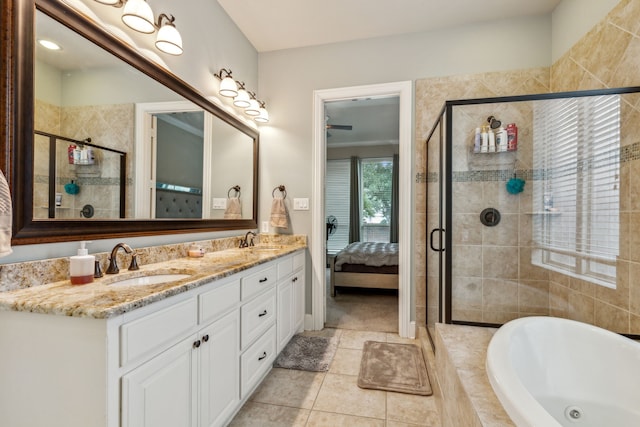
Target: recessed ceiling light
{"x":49,"y":44}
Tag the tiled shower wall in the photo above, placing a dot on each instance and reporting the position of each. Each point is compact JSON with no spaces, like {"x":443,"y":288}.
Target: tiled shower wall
{"x":608,"y":56}
{"x":107,"y":125}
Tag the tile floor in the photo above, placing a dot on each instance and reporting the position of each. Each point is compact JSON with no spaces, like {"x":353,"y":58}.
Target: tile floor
{"x":299,"y":398}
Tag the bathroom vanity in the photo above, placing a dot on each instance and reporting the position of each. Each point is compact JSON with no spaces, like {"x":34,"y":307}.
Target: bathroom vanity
{"x":183,"y":353}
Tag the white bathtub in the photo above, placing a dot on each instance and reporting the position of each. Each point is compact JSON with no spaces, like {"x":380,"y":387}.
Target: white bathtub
{"x":550,"y":372}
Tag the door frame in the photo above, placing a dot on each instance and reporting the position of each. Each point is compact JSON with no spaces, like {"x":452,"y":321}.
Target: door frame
{"x":404,"y":90}
{"x":145,"y":149}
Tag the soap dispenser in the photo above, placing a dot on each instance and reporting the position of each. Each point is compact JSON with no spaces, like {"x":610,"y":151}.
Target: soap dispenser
{"x":81,"y":266}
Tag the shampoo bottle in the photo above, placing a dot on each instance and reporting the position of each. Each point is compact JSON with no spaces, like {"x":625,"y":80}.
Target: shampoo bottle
{"x":81,"y":266}
{"x":484,"y":137}
{"x":492,"y":141}
{"x":477,"y":142}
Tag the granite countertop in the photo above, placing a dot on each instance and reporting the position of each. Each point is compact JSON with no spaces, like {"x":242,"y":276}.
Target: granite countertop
{"x":101,"y":301}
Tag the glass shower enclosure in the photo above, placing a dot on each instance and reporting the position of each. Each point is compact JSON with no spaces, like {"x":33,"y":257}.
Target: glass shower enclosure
{"x":532,"y":207}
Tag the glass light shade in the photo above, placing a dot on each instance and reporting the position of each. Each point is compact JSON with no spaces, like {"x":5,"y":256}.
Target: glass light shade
{"x":49,"y":44}
{"x":137,"y":14}
{"x":228,"y":87}
{"x":169,"y":40}
{"x":109,"y":2}
{"x":253,"y":109}
{"x":263,"y":116}
{"x":242,"y":100}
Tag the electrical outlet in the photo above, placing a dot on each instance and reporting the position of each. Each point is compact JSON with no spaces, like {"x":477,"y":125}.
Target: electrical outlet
{"x":265,"y":227}
{"x":219,"y":203}
{"x":301,"y":204}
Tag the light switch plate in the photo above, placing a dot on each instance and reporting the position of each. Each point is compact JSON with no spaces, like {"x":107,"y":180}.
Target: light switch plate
{"x":265,"y":227}
{"x":301,"y":204}
{"x":219,"y":203}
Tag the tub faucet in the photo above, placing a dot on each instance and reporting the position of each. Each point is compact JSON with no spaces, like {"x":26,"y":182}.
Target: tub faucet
{"x":113,"y":263}
{"x":245,"y":243}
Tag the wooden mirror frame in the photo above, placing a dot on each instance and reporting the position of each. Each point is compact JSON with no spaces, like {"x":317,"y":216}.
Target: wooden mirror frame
{"x":16,"y":133}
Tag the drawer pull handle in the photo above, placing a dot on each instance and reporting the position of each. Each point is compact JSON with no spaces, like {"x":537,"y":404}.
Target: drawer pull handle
{"x":205,"y":338}
{"x":196,"y":344}
{"x":264,"y":354}
{"x":295,"y":279}
{"x":263,"y":280}
{"x":264,"y":313}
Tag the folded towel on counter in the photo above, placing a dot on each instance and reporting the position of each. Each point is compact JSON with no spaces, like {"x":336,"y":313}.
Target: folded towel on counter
{"x":234,"y":208}
{"x":5,"y":217}
{"x":279,"y":216}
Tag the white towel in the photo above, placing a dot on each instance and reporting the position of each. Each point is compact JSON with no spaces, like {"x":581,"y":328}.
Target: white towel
{"x":234,"y":208}
{"x":5,"y":217}
{"x":279,"y":216}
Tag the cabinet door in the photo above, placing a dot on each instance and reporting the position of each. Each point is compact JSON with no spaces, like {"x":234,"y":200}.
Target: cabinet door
{"x":285,"y":313}
{"x":299,"y":301}
{"x":162,"y":391}
{"x":219,"y":370}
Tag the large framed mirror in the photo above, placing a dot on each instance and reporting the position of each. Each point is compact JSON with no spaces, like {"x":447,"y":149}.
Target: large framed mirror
{"x":101,"y":142}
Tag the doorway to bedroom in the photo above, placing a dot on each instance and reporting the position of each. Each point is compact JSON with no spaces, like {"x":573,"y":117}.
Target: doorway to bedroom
{"x":361,"y":211}
{"x":318,"y":242}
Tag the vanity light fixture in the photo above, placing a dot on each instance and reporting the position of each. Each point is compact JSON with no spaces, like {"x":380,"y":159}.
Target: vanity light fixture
{"x":254,"y":106}
{"x":228,"y":86}
{"x":242,"y":99}
{"x":168,"y":39}
{"x":138,"y":16}
{"x":263,"y":116}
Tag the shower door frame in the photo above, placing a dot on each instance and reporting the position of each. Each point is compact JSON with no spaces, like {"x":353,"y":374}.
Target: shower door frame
{"x":446,"y":267}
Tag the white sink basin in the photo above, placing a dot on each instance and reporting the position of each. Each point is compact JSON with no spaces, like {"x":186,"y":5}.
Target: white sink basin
{"x":150,"y":280}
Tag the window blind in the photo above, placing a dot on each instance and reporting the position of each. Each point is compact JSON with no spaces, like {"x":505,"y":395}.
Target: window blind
{"x":337,"y":201}
{"x":576,"y":200}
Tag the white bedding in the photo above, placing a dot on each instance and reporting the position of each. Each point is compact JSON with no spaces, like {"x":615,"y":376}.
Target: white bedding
{"x":375,"y":254}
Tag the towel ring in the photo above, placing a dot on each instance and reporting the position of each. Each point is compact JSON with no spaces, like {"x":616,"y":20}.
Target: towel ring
{"x":237,"y":190}
{"x":282,"y":190}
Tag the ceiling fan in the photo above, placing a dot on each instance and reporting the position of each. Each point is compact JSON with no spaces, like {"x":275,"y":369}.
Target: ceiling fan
{"x":336,"y":127}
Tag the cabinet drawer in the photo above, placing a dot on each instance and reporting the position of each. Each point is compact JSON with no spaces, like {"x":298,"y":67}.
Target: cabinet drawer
{"x":298,"y":260}
{"x":156,"y":331}
{"x":217,"y":301}
{"x":258,"y":282}
{"x":256,"y":317}
{"x":285,"y":267}
{"x":257,"y":360}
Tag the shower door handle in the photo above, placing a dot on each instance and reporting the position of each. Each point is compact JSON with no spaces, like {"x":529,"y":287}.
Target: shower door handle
{"x":431,"y":239}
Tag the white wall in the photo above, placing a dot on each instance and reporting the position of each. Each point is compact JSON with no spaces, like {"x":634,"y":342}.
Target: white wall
{"x":572,"y":19}
{"x":289,"y":77}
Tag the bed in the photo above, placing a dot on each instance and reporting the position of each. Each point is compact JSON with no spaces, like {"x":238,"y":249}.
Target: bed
{"x":365,"y":265}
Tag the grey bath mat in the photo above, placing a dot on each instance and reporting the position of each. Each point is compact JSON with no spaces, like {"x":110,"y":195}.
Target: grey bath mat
{"x":306,"y":353}
{"x":394,"y":367}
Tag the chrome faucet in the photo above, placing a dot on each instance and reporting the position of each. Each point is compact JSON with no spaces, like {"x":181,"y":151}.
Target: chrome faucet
{"x":245,"y":243}
{"x":113,"y":264}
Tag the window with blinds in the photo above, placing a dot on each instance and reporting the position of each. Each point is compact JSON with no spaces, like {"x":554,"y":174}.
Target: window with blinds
{"x":337,"y":202}
{"x":576,"y":194}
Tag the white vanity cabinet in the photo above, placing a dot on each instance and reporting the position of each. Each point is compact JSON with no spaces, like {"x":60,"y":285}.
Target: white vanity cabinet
{"x":189,"y":360}
{"x":290,"y":289}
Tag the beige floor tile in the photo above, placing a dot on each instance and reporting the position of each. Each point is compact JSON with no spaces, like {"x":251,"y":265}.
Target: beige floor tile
{"x":327,"y":419}
{"x":399,"y":424}
{"x":263,"y":415}
{"x":413,"y":409}
{"x":397,"y":339}
{"x":289,"y":387}
{"x":326,"y":332}
{"x":341,"y":394}
{"x":346,"y":361}
{"x":356,"y":339}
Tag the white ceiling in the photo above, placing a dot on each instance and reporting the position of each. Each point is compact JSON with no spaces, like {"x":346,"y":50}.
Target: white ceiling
{"x":282,"y":24}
